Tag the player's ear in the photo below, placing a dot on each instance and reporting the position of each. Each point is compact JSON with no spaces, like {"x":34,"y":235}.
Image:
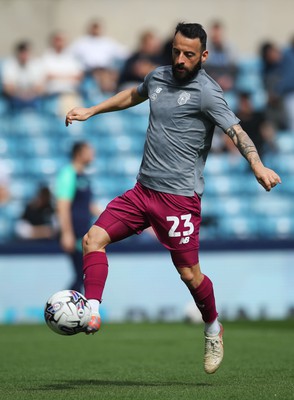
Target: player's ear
{"x":204,"y":56}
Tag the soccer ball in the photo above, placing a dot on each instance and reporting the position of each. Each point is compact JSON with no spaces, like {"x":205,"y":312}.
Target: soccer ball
{"x":67,"y":312}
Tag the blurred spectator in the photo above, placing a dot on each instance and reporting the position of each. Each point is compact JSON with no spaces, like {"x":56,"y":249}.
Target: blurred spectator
{"x":37,"y":221}
{"x":100,"y":56}
{"x":4,"y":183}
{"x":255,"y":123}
{"x":144,"y":60}
{"x":270,"y":56}
{"x":23,"y":79}
{"x":221,"y":64}
{"x":287,"y":82}
{"x":167,"y":51}
{"x":75,"y":207}
{"x":63,"y":72}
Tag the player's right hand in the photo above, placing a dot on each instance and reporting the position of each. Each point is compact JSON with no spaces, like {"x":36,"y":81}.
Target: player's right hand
{"x":77,"y":114}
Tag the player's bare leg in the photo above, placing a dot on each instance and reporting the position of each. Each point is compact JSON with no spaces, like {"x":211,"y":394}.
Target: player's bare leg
{"x":95,"y":272}
{"x":201,"y":289}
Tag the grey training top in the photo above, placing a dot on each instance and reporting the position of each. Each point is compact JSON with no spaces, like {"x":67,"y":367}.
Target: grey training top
{"x":181,"y":125}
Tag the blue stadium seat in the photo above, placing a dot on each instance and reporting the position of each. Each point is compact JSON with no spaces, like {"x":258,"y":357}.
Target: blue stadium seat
{"x":30,"y":123}
{"x":110,"y":123}
{"x":249,"y":77}
{"x":272,"y":204}
{"x":50,"y":106}
{"x":100,"y":164}
{"x":225,"y":163}
{"x":56,"y":126}
{"x":9,"y":214}
{"x":90,"y":91}
{"x":285,"y":142}
{"x":110,"y":186}
{"x":278,"y":227}
{"x":45,"y":146}
{"x":135,"y":124}
{"x":125,"y":166}
{"x":105,"y":144}
{"x":9,"y":146}
{"x":231,"y":184}
{"x":284,"y":163}
{"x":239,"y":227}
{"x":287,"y":186}
{"x":3,"y":106}
{"x":14,"y":209}
{"x":216,"y":164}
{"x":6,"y":125}
{"x":249,"y":81}
{"x":44,"y":167}
{"x":14,"y":165}
{"x":237,"y":205}
{"x":6,"y":227}
{"x":23,"y":189}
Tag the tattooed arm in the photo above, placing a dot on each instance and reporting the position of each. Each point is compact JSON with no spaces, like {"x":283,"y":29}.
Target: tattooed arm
{"x":265,"y":176}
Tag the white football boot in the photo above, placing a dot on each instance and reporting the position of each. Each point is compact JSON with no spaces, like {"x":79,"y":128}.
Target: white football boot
{"x":214,"y":351}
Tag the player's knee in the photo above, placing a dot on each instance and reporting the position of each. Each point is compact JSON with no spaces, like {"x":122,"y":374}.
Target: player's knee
{"x":95,"y":240}
{"x":91,"y":243}
{"x":187,"y":276}
{"x":85,"y":242}
{"x":192,"y":277}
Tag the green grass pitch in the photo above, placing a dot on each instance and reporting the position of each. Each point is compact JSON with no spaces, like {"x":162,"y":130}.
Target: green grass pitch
{"x":146,"y":361}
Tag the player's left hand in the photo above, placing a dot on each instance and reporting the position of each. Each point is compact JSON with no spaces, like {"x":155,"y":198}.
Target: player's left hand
{"x":266,"y":176}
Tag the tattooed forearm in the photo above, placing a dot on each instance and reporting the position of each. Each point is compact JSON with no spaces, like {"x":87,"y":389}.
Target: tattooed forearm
{"x":244,"y":144}
{"x":231,"y":132}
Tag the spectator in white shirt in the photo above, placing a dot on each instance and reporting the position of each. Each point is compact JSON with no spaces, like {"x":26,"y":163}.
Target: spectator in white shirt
{"x":100,"y":56}
{"x":23,"y":79}
{"x":63,"y":73}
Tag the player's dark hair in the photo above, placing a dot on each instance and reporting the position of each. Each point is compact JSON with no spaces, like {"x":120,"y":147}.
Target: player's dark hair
{"x":193,"y":31}
{"x":76,"y":148}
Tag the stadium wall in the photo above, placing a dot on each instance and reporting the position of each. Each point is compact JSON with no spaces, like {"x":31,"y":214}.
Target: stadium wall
{"x":144,"y":286}
{"x":248,"y":22}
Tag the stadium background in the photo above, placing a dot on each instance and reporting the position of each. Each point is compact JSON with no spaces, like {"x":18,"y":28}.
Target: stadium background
{"x":248,"y":252}
{"x":248,"y":22}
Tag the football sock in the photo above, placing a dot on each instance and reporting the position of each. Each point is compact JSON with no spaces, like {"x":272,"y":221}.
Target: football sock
{"x":203,"y":296}
{"x":95,"y":270}
{"x":94,"y":304}
{"x":212,"y":328}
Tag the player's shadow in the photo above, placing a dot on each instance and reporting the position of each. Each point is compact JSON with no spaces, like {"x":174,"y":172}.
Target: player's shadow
{"x":73,"y":384}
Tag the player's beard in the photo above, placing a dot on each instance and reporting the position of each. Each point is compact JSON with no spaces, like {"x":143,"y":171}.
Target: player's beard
{"x":187,"y":75}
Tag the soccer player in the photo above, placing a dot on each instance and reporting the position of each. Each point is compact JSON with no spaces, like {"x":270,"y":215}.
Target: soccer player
{"x":185,"y":106}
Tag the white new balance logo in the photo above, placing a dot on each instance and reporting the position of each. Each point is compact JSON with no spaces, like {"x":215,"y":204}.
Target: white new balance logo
{"x":153,"y":96}
{"x":185,"y":240}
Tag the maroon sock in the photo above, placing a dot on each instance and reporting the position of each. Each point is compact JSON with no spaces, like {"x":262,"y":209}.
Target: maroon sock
{"x":95,"y":270}
{"x":204,"y":298}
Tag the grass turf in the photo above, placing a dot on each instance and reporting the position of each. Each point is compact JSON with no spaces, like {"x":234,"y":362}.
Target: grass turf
{"x":146,"y":361}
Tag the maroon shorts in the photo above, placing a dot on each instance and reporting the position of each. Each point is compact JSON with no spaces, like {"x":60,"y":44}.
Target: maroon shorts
{"x":175,"y":220}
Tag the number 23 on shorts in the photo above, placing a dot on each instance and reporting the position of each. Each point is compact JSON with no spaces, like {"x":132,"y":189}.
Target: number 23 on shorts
{"x":174,"y":232}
